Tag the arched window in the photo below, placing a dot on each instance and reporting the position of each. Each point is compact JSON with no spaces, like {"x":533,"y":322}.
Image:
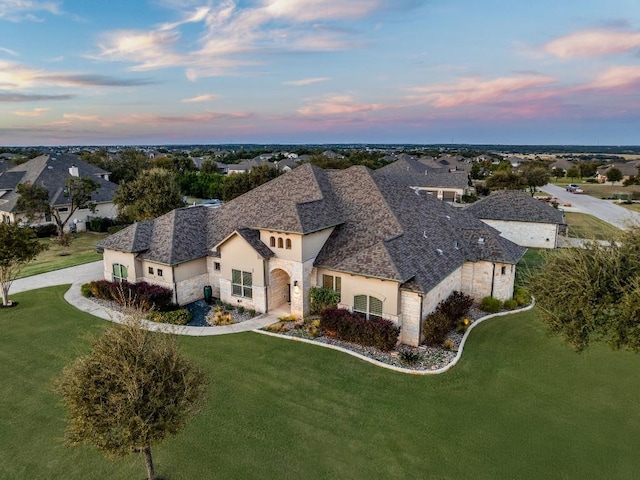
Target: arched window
{"x":370,"y":307}
{"x":279,"y":242}
{"x":119,"y":273}
{"x":288,"y":244}
{"x":272,"y":242}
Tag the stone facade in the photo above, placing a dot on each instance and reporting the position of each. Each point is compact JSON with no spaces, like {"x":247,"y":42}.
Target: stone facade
{"x":527,"y":234}
{"x":191,"y":289}
{"x":411,"y":304}
{"x":484,"y":279}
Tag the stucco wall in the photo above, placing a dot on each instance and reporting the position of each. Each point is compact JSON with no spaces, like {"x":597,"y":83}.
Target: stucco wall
{"x":313,"y":243}
{"x":237,"y":254}
{"x":187,"y":270}
{"x":293,"y":253}
{"x":527,"y":234}
{"x":127,"y":259}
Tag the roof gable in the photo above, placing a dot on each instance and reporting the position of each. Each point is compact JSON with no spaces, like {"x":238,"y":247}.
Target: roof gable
{"x":514,"y":205}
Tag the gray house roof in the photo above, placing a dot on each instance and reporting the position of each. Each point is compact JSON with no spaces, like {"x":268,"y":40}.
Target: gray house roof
{"x":383,"y":229}
{"x":52,"y":171}
{"x":515,"y":205}
{"x":425,"y":176}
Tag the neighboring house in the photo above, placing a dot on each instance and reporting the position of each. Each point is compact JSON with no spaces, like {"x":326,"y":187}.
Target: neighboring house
{"x":439,"y":182}
{"x":627,"y":169}
{"x":562,"y":164}
{"x":51,"y":171}
{"x":390,"y":251}
{"x":286,"y":165}
{"x":244,"y":167}
{"x":520,"y":218}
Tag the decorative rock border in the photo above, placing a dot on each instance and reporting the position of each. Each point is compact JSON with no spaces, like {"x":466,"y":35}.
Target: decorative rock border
{"x":400,"y":369}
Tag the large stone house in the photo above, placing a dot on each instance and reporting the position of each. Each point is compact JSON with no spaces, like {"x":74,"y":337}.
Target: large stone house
{"x":521,"y":218}
{"x":52,"y":171}
{"x":389,"y":250}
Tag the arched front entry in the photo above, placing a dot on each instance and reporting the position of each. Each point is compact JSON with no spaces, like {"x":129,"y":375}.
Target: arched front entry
{"x":279,"y":293}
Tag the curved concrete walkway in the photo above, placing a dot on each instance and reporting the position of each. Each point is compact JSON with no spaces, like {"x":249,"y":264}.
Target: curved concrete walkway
{"x":81,"y":274}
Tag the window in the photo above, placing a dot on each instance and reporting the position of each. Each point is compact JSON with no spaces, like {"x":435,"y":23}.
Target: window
{"x":272,"y":242}
{"x":370,"y":307}
{"x":119,"y":273}
{"x":504,"y":270}
{"x":241,"y":284}
{"x":63,"y":209}
{"x":332,"y":283}
{"x":279,"y":243}
{"x":159,"y":272}
{"x":288,"y":244}
{"x":151,"y":270}
{"x":216,"y":266}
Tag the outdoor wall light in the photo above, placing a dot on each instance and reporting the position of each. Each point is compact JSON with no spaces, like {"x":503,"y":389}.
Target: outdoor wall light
{"x":296,"y":289}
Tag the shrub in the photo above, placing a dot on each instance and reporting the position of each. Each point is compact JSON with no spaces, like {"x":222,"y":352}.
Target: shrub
{"x":85,"y":290}
{"x":510,"y":304}
{"x":100,"y":224}
{"x":491,"y":305}
{"x":410,"y":357}
{"x":382,"y":334}
{"x":435,"y":328}
{"x":448,"y":344}
{"x":45,"y":231}
{"x":521,"y":295}
{"x":241,"y":310}
{"x":591,"y":180}
{"x":323,"y":298}
{"x":103,"y":289}
{"x":144,"y":296}
{"x":455,"y":306}
{"x":219,"y":317}
{"x":181,"y":316}
{"x":251,"y":312}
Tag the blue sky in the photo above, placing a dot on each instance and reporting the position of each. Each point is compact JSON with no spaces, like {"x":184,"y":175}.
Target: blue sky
{"x":319,"y":71}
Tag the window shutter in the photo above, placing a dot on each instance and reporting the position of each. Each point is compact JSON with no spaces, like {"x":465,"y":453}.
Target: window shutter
{"x":327,"y":282}
{"x":375,"y":306}
{"x":360,"y":303}
{"x":236,"y":277}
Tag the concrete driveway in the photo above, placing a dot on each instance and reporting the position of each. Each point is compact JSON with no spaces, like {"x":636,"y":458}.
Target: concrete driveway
{"x":78,"y":274}
{"x":603,"y":209}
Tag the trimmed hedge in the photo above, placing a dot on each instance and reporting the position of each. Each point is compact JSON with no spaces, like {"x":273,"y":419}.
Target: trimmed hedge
{"x":142,"y":295}
{"x":173,"y":317}
{"x":435,"y":328}
{"x":45,"y":230}
{"x":382,"y":334}
{"x":455,"y":306}
{"x":491,"y":305}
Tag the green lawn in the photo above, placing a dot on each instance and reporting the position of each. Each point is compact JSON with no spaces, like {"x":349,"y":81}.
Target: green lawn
{"x":582,"y":225}
{"x":520,"y":404}
{"x":82,"y":250}
{"x":635,"y":207}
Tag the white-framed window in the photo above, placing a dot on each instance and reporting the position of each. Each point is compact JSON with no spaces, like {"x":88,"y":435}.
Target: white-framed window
{"x":119,"y":272}
{"x":332,"y":282}
{"x":241,"y":284}
{"x":370,"y":307}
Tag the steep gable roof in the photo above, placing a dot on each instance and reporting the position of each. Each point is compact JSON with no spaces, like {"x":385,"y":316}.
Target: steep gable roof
{"x":514,"y":205}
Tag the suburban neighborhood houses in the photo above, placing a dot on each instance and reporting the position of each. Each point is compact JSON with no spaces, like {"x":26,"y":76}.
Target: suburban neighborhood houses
{"x":52,"y":171}
{"x":390,"y":250}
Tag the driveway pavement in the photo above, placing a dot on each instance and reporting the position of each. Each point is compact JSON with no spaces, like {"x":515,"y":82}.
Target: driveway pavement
{"x":603,"y":209}
{"x":78,"y":274}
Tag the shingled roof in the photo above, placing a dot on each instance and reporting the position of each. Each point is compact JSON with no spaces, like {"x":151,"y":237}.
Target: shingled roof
{"x":425,"y":176}
{"x":515,"y":205}
{"x":383,"y":228}
{"x":51,"y":171}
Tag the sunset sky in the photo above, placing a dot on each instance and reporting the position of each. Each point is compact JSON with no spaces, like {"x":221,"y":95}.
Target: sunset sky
{"x":76,"y":72}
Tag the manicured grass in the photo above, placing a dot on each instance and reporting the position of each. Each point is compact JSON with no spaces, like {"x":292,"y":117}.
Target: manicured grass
{"x":82,"y":250}
{"x":520,"y":404}
{"x":582,"y":225}
{"x":632,"y":206}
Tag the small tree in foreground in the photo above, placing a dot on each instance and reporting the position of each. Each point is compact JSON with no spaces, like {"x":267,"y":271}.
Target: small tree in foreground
{"x":592,"y":293}
{"x":18,"y":246}
{"x":131,"y":392}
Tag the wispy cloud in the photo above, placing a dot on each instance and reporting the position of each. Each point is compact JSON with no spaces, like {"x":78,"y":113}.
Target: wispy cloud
{"x":336,"y":105}
{"x":472,"y":91}
{"x":18,"y":97}
{"x":36,"y":112}
{"x":592,"y":43}
{"x":230,"y":33}
{"x":15,"y":75}
{"x":81,"y":118}
{"x":616,"y":78}
{"x":307,"y":81}
{"x":201,"y":98}
{"x":21,"y":10}
{"x":10,"y":52}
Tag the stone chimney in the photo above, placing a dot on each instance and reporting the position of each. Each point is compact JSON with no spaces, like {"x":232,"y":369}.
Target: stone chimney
{"x":73,"y":171}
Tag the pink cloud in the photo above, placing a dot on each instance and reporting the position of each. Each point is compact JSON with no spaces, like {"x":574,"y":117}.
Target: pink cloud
{"x":618,"y":77}
{"x":201,"y":98}
{"x":307,"y":81}
{"x":591,"y":43}
{"x":470,"y":91}
{"x":336,"y":105}
{"x":36,"y":112}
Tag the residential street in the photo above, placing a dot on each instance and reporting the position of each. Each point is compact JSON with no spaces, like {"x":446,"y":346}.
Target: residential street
{"x":603,"y":209}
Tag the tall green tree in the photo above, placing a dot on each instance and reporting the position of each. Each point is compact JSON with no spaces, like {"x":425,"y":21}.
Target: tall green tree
{"x":34,"y":200}
{"x":505,"y":180}
{"x":153,"y":193}
{"x":614,"y":175}
{"x":18,"y":247}
{"x":573,"y":172}
{"x":132,"y":391}
{"x":592,"y":293}
{"x":534,"y":177}
{"x":127,"y":165}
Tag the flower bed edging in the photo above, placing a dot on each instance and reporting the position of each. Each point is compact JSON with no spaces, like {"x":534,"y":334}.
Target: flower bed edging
{"x":400,"y":369}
